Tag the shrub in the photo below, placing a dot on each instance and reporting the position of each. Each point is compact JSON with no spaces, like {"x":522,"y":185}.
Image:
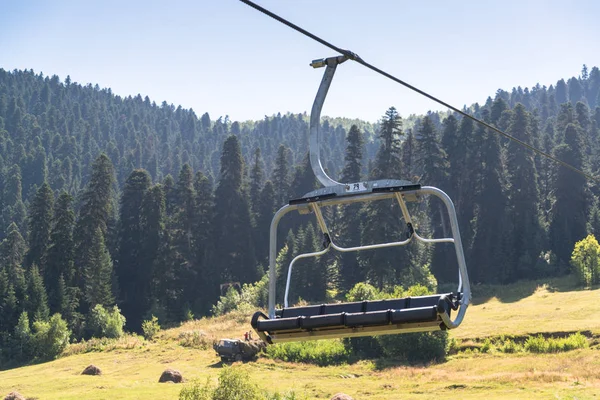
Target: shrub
{"x":234,"y":384}
{"x":320,"y":352}
{"x":23,"y":336}
{"x":196,"y":391}
{"x":415,"y":347}
{"x":106,"y":323}
{"x":150,"y":328}
{"x":363,"y":291}
{"x":586,"y":260}
{"x":509,"y":346}
{"x":195,"y":339}
{"x":50,"y":338}
{"x":249,"y":299}
{"x":487,"y":346}
{"x":539,"y":344}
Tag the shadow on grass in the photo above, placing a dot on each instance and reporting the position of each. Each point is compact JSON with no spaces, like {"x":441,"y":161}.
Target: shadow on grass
{"x":218,"y":364}
{"x":513,"y":292}
{"x":381,"y":364}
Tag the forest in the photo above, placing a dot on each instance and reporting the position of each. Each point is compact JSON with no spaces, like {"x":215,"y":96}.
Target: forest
{"x":108,"y":200}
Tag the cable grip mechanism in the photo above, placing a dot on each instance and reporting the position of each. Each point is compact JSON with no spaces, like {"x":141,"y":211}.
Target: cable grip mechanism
{"x":330,"y":61}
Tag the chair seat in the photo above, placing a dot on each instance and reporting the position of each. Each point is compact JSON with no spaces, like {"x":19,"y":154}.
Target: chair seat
{"x":359,"y":314}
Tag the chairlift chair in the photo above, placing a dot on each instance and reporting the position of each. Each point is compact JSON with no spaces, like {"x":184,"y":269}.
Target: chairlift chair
{"x":362,"y":318}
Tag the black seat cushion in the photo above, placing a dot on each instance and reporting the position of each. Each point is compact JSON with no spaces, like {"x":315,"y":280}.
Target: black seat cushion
{"x":353,"y":307}
{"x":421,"y":314}
{"x":278,"y":324}
{"x":301,"y":311}
{"x":321,"y":321}
{"x":391,"y":304}
{"x":368,"y":318}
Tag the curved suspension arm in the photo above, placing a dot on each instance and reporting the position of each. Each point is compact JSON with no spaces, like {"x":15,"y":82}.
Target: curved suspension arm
{"x":315,"y":118}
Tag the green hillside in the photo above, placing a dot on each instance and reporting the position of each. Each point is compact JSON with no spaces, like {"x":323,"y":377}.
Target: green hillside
{"x":131,"y":366}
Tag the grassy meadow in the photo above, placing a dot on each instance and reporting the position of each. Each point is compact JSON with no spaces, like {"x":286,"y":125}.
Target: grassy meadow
{"x":131,"y":366}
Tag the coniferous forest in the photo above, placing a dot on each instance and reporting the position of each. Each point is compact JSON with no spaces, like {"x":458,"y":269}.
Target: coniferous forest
{"x":109,"y":200}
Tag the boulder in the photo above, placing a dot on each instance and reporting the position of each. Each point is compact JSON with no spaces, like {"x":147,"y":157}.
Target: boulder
{"x":91,"y":370}
{"x":14,"y":396}
{"x":171,"y":375}
{"x":341,"y":396}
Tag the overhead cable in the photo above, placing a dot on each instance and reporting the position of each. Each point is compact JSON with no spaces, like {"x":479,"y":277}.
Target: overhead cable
{"x":355,"y":57}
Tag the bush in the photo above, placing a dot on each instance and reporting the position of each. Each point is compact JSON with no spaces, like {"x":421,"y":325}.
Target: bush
{"x":150,"y":328}
{"x":195,"y":339}
{"x":50,"y":338}
{"x":196,"y":391}
{"x":234,"y":384}
{"x":586,"y":260}
{"x":363,"y":291}
{"x":319,"y":352}
{"x":251,"y":297}
{"x":539,"y":344}
{"x":415,"y":347}
{"x":509,"y":346}
{"x":105,"y":323}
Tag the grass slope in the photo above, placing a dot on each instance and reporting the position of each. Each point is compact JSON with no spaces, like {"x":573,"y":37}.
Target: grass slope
{"x":132,"y":367}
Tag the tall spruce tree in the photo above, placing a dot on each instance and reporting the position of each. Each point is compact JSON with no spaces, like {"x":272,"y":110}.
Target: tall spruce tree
{"x":281,"y":176}
{"x":40,"y":222}
{"x":434,"y":164}
{"x":132,"y":274}
{"x":92,"y":260}
{"x":234,"y":248}
{"x":486,"y":257}
{"x":383,"y":216}
{"x":350,"y":270}
{"x":207,"y":276}
{"x":98,"y":273}
{"x":256,"y":180}
{"x":37,"y":300}
{"x":525,"y":241}
{"x":569,"y":213}
{"x":60,"y":253}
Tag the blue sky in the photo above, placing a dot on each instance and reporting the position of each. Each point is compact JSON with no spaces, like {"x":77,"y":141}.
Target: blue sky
{"x":222,"y":57}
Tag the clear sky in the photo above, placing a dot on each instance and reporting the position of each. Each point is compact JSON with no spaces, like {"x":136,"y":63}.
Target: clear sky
{"x":224,"y":58}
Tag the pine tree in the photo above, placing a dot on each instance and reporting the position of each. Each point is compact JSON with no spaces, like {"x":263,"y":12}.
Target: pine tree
{"x":280,"y":176}
{"x":129,"y":269}
{"x":159,"y":276}
{"x":234,"y":248}
{"x":37,"y":300}
{"x":351,"y":224}
{"x":561,"y":92}
{"x":523,"y":201}
{"x":569,"y":213}
{"x":489,"y":231}
{"x":266,"y":208}
{"x":383,"y":216}
{"x":256,"y":180}
{"x":207,"y":276}
{"x":40,"y":221}
{"x":8,"y":302}
{"x":59,"y":258}
{"x":12,"y":253}
{"x":387,"y":164}
{"x":98,"y":273}
{"x":92,"y":260}
{"x":434,"y":164}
